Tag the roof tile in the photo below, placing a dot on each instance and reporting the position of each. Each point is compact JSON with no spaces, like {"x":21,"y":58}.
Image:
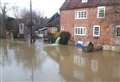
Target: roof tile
{"x":75,"y":4}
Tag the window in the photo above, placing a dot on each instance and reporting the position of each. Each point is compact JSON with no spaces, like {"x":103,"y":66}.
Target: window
{"x":80,"y":31}
{"x":84,"y":1}
{"x":62,"y":28}
{"x":21,"y":28}
{"x":81,"y":14}
{"x":101,"y":12}
{"x":118,"y":30}
{"x":96,"y":31}
{"x":54,"y":29}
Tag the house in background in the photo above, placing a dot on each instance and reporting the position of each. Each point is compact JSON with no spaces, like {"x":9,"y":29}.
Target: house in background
{"x":96,"y":21}
{"x":54,"y":23}
{"x":11,"y":27}
{"x":43,"y":33}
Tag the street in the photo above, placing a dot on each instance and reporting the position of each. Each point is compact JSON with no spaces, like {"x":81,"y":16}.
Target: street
{"x":40,"y":62}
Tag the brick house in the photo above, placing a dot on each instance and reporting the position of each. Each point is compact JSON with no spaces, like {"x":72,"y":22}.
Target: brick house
{"x":97,"y":21}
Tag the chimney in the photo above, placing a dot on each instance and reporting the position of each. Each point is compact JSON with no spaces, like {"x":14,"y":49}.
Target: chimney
{"x":67,"y":0}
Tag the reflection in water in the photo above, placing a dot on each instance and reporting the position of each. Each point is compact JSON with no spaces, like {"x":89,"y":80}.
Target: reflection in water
{"x":27,"y":63}
{"x":86,"y":67}
{"x":79,"y":60}
{"x":78,"y":74}
{"x":94,"y":65}
{"x":43,"y":63}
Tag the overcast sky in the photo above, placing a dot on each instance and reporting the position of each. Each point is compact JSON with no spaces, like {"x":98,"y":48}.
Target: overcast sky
{"x":46,"y":7}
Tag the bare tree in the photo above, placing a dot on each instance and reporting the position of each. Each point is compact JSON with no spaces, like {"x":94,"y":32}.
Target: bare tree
{"x":38,"y":20}
{"x":4,"y":9}
{"x":16,"y":11}
{"x":16,"y":15}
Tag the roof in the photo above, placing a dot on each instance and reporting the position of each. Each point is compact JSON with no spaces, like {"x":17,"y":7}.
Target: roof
{"x":10,"y":18}
{"x":76,"y":4}
{"x":42,"y":29}
{"x":54,"y":21}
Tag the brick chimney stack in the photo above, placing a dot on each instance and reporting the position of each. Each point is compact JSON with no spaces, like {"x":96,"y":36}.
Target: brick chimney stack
{"x":67,"y":0}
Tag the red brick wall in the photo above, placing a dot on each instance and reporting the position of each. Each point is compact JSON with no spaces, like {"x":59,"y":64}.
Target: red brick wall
{"x":68,"y":22}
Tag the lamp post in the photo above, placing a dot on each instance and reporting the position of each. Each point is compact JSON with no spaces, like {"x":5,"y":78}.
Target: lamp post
{"x":31,"y":21}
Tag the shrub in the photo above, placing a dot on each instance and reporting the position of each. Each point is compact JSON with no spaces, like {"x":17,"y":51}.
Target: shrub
{"x":15,"y":34}
{"x":65,"y":37}
{"x":56,"y":35}
{"x":51,"y":38}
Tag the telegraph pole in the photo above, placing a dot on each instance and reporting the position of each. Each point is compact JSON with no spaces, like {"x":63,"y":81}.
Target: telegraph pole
{"x":0,"y":20}
{"x":31,"y":21}
{"x":31,"y":35}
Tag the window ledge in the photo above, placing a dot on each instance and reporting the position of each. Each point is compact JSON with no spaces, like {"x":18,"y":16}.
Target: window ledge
{"x":100,"y":17}
{"x":80,"y":34}
{"x":96,"y":35}
{"x":80,"y":18}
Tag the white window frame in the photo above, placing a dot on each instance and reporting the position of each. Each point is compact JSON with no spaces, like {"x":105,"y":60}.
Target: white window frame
{"x":81,"y":28}
{"x":98,"y":10}
{"x":94,"y":35}
{"x":77,"y":14}
{"x":21,"y":28}
{"x":84,"y":1}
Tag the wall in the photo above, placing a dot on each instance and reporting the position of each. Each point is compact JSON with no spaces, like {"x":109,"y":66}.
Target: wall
{"x":68,"y":22}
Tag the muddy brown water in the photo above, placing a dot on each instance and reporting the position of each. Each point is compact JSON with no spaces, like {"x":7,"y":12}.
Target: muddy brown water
{"x":40,"y":62}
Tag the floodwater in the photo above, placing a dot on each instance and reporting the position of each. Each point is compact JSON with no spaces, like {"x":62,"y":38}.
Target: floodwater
{"x":40,"y":62}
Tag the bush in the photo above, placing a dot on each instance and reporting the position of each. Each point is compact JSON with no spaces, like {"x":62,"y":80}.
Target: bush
{"x":51,"y":38}
{"x":15,"y":34}
{"x":64,"y":38}
{"x":56,"y":35}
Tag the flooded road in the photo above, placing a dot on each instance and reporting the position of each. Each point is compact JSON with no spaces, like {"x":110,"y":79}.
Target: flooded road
{"x":46,"y":63}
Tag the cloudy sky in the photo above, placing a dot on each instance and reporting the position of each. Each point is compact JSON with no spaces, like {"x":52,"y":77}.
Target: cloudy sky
{"x":46,"y":7}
